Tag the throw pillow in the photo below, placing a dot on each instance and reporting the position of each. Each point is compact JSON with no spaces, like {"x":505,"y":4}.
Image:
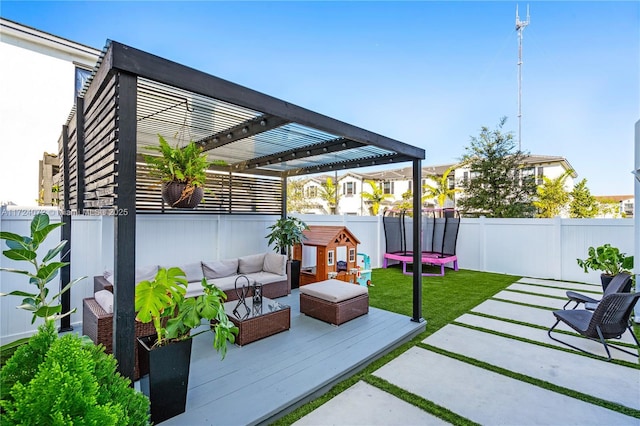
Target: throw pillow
{"x":220,"y":268}
{"x":105,"y":300}
{"x":275,"y":263}
{"x":251,"y":264}
{"x":146,"y":273}
{"x":193,"y":271}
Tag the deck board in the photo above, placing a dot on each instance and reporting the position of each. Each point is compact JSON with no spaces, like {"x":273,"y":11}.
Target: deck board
{"x":264,"y":380}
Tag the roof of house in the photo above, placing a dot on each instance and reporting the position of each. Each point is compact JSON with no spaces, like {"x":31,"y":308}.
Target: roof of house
{"x":326,"y":235}
{"x":613,"y":198}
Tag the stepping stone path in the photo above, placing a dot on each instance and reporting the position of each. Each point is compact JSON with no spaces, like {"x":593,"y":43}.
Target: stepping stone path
{"x":491,"y":398}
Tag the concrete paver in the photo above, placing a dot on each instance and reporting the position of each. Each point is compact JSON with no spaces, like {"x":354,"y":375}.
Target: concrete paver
{"x":590,"y":376}
{"x":489,"y":398}
{"x":545,"y":302}
{"x":563,"y":285}
{"x":539,"y":335}
{"x":364,"y":405}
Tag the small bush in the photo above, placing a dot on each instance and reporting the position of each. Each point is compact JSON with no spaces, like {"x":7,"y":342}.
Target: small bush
{"x":74,"y":383}
{"x":24,"y":363}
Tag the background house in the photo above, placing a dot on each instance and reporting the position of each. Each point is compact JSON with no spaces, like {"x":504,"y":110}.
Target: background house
{"x":615,"y":206}
{"x":397,"y":182}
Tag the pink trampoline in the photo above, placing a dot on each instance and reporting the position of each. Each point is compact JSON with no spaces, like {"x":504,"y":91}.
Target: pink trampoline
{"x":439,"y":238}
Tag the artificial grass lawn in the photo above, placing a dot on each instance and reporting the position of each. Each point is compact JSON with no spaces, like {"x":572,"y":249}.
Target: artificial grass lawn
{"x":443,"y":300}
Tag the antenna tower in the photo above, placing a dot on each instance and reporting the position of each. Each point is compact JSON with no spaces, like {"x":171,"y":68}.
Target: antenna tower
{"x":520,"y":26}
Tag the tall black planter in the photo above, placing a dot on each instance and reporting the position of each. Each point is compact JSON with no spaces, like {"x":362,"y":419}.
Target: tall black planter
{"x":294,"y":272}
{"x":605,"y":280}
{"x":164,"y":376}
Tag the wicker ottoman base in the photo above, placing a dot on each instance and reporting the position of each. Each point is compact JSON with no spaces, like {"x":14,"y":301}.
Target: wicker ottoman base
{"x":98,"y":325}
{"x":332,"y":312}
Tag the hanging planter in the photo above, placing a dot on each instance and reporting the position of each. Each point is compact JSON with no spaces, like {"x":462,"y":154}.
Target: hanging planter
{"x":183,"y":171}
{"x":182,"y":196}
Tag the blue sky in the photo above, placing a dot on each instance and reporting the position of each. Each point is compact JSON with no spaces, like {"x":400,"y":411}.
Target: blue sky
{"x":430,"y":74}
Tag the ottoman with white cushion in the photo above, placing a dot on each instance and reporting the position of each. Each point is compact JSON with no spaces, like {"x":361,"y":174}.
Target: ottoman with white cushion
{"x":334,"y":301}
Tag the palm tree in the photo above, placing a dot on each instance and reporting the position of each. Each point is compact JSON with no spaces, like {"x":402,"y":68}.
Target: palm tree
{"x":376,"y":196}
{"x":329,"y":193}
{"x":552,"y":196}
{"x":441,"y":190}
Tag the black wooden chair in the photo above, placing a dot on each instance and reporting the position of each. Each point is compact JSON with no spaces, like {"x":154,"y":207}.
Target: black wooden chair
{"x":609,"y":320}
{"x":621,"y":283}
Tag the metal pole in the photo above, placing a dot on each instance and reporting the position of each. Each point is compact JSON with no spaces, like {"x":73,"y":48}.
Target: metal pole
{"x":520,"y":28}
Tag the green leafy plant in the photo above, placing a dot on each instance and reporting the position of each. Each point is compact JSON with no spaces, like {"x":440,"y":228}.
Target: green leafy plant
{"x":187,"y":165}
{"x":607,"y":259}
{"x":286,"y":233}
{"x":53,"y":380}
{"x":24,"y":248}
{"x":163,"y":297}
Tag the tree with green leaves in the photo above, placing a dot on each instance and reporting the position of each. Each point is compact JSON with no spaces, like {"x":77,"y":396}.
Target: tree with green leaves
{"x":552,"y":196}
{"x":406,"y":205}
{"x":583,"y":204}
{"x":24,"y":248}
{"x":496,"y":187}
{"x":329,"y":193}
{"x":440,"y":191}
{"x":376,"y":196}
{"x":296,"y":200}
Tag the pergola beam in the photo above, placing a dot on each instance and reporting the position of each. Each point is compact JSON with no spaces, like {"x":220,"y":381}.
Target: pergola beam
{"x":322,"y":148}
{"x":241,"y":131}
{"x":350,"y":164}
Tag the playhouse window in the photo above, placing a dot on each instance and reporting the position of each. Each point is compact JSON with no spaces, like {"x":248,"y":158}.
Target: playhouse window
{"x":330,"y":258}
{"x":352,"y":255}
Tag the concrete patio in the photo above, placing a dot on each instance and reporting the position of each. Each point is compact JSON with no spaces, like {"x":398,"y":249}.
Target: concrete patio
{"x":434,"y":370}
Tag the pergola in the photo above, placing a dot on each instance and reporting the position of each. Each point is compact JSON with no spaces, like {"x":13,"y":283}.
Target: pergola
{"x":132,"y":96}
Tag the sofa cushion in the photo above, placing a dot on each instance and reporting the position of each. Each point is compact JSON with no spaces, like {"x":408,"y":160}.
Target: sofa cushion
{"x":220,"y":268}
{"x":252,"y":263}
{"x":143,"y":273}
{"x":263,"y":277}
{"x":104,"y":298}
{"x":194,"y":289}
{"x":229,"y":283}
{"x":333,"y":290}
{"x":275,"y":263}
{"x":193,"y":271}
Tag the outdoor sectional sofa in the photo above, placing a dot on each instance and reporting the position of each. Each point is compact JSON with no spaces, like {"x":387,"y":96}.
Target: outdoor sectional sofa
{"x":268,"y":269}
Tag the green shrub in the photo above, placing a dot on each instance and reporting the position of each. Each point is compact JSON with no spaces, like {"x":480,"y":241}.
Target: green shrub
{"x":24,"y":363}
{"x":73,"y":384}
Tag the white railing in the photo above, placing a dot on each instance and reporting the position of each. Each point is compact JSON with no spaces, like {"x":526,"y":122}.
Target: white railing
{"x":542,"y":248}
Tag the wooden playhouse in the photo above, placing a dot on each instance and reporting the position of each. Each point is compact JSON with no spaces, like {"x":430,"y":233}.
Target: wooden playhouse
{"x":327,"y":252}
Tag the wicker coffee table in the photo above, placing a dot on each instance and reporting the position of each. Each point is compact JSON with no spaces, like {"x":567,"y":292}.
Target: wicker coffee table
{"x":256,"y":322}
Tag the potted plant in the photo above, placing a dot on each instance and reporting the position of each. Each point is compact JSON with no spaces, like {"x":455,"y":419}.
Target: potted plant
{"x":164,"y":358}
{"x":183,"y":171}
{"x":607,"y":259}
{"x":286,"y":233}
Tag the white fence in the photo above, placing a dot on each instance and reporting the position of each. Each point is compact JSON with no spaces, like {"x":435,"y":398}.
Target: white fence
{"x":542,"y":248}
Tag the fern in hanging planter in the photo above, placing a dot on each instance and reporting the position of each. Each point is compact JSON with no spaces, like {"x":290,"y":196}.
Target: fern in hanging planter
{"x":183,"y":171}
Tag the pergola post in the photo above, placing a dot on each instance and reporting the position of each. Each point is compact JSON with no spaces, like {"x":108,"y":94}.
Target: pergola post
{"x":125,"y":226}
{"x":417,"y":242}
{"x":65,"y":234}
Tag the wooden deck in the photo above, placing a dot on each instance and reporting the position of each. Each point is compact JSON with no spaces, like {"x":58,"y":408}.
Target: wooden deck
{"x":260,"y":382}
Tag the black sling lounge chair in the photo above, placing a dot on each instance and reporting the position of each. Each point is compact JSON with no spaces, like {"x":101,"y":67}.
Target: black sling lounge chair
{"x":609,"y":320}
{"x":621,"y":283}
